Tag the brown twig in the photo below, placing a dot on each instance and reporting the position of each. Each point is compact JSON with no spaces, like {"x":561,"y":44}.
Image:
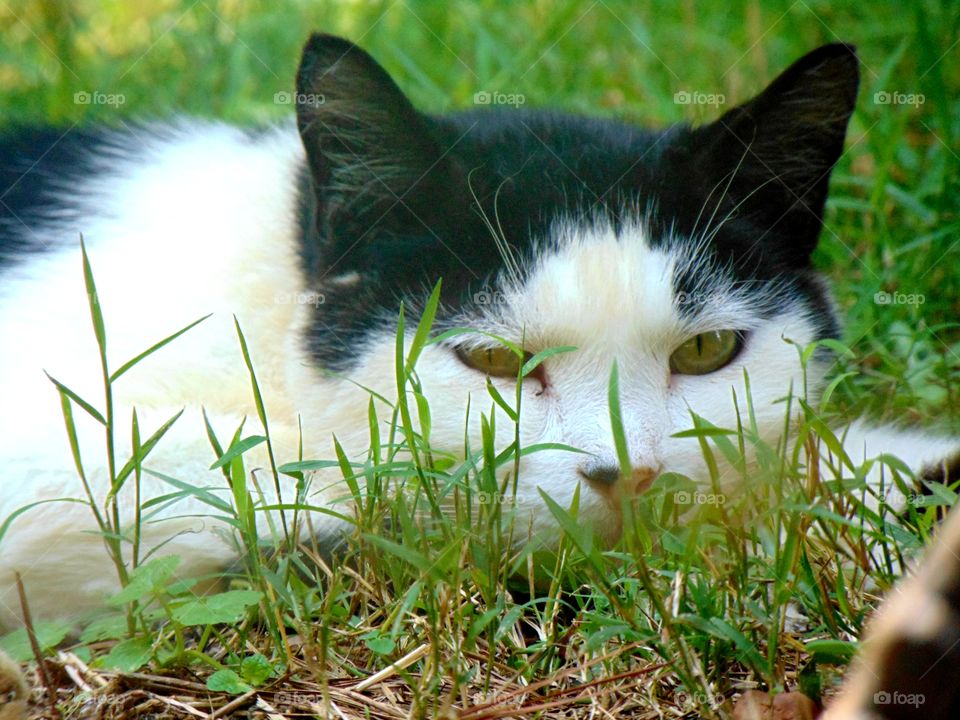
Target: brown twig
{"x":35,"y":647}
{"x":233,"y":704}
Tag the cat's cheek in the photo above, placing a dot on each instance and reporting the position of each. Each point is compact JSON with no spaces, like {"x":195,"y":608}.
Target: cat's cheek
{"x":709,"y":398}
{"x":459,"y":396}
{"x":685,"y":457}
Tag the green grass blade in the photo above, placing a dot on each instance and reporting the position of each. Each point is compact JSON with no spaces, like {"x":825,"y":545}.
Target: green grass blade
{"x":93,"y":301}
{"x":143,"y":451}
{"x":237,"y":449}
{"x":422,"y":333}
{"x":153,"y":348}
{"x":616,"y":421}
{"x":262,"y":414}
{"x":90,"y":409}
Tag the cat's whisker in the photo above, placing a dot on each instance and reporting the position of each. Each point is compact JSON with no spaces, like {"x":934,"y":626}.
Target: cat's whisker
{"x":708,"y":238}
{"x":731,"y":176}
{"x":511,"y":267}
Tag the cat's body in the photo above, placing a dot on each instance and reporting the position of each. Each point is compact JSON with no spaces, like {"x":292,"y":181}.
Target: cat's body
{"x":247,"y":253}
{"x":623,"y":243}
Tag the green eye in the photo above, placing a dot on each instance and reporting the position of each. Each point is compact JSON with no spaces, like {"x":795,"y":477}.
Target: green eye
{"x":706,"y":352}
{"x":495,"y":361}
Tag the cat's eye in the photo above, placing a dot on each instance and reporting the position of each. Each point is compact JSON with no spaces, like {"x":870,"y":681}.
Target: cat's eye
{"x":497,"y":361}
{"x":706,"y":352}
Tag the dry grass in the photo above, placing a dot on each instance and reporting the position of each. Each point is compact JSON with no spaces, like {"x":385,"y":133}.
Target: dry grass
{"x":580,"y":689}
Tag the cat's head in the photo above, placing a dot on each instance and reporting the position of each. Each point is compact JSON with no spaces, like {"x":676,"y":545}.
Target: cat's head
{"x":683,"y":255}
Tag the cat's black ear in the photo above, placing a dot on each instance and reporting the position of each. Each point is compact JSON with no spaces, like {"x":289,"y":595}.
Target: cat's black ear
{"x":367,"y":146}
{"x":777,"y":150}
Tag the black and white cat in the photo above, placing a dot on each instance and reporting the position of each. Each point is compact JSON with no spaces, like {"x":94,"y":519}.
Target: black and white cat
{"x":683,"y":255}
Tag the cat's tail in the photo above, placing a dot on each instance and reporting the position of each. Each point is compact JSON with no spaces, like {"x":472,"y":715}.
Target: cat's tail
{"x":13,"y":690}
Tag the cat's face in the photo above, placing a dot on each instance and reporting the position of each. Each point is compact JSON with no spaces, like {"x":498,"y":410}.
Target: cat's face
{"x":682,"y":256}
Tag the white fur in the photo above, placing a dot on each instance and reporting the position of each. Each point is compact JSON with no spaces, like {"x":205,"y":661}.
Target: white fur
{"x":157,"y":270}
{"x":205,"y":223}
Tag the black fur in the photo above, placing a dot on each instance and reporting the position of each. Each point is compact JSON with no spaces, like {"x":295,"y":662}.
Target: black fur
{"x":38,"y":168}
{"x":399,"y":197}
{"x":946,"y":472}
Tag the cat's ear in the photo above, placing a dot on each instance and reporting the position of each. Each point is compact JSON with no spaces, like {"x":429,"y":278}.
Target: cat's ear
{"x":777,"y":150}
{"x":366,"y":145}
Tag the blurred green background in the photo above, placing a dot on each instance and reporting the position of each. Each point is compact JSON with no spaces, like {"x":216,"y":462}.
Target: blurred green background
{"x":893,"y":225}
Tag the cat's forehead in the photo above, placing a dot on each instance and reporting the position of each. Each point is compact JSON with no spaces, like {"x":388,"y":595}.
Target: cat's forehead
{"x":619,"y":285}
{"x":593,"y":281}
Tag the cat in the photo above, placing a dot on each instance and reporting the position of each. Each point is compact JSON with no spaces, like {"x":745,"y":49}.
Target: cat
{"x":682,"y":254}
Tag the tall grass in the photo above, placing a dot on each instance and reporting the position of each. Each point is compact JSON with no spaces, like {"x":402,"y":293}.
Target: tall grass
{"x":437,"y":579}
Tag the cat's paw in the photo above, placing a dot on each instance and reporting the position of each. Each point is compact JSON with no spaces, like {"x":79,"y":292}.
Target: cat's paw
{"x":13,"y":690}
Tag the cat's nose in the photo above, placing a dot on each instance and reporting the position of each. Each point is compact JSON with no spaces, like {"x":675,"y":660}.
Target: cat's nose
{"x":608,"y":477}
{"x":599,"y":474}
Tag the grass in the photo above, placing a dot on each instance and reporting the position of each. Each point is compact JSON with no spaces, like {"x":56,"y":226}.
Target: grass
{"x":674,"y":620}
